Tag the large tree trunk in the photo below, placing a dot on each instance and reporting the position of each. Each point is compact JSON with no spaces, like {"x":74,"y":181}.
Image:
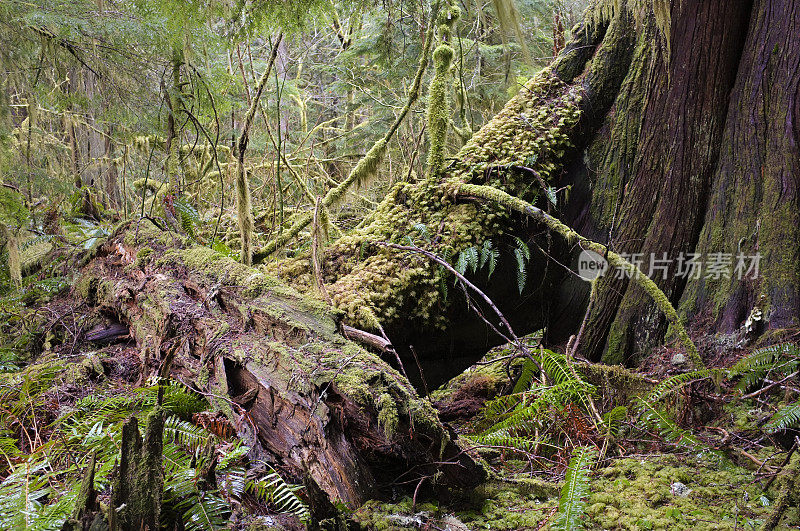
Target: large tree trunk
{"x":710,"y":165}
{"x":317,"y":406}
{"x":675,"y":125}
{"x":650,"y":199}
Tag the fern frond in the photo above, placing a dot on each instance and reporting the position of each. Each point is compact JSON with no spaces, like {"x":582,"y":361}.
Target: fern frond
{"x":785,"y":418}
{"x":205,"y":512}
{"x":613,"y":420}
{"x":659,"y":421}
{"x":185,"y":433}
{"x":529,"y":371}
{"x":280,"y":495}
{"x":188,"y":216}
{"x":521,"y":269}
{"x":461,"y":263}
{"x":502,"y":438}
{"x":556,"y":367}
{"x":422,"y":229}
{"x":236,"y":482}
{"x":782,"y":358}
{"x":673,"y":383}
{"x":572,"y":503}
{"x":523,"y":247}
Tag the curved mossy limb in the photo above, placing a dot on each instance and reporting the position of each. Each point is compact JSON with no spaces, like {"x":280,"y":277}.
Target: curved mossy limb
{"x":395,"y":286}
{"x":617,"y":261}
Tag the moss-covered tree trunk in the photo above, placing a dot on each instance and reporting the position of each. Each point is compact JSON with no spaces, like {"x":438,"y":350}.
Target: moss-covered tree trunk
{"x":649,"y":182}
{"x":323,"y":410}
{"x":700,"y":157}
{"x":753,"y":199}
{"x":665,"y":129}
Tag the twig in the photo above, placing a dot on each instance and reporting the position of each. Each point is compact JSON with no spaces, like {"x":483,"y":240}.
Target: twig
{"x":785,"y":462}
{"x":419,"y":368}
{"x":770,"y":386}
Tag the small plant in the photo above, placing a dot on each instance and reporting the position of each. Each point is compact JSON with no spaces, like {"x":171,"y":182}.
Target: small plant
{"x":572,"y":502}
{"x":541,"y":414}
{"x":777,"y":360}
{"x":476,"y":258}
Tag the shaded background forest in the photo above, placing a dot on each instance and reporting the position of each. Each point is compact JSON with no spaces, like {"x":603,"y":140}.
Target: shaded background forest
{"x":88,"y":87}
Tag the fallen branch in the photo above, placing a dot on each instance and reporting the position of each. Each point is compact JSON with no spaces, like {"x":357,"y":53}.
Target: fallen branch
{"x":365,"y":338}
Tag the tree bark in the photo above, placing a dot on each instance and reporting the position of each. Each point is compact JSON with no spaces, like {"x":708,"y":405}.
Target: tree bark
{"x":657,"y":199}
{"x":675,"y":131}
{"x":302,"y":396}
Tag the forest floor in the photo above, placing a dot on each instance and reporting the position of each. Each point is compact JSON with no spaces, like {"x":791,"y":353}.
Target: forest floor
{"x":715,"y":457}
{"x":648,"y":482}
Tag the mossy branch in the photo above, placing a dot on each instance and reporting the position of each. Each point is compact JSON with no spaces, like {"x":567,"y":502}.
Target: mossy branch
{"x":368,"y":164}
{"x":14,"y":263}
{"x":244,"y":208}
{"x":438,"y":111}
{"x":514,"y":203}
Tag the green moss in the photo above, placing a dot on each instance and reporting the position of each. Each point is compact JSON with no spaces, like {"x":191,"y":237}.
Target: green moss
{"x":244,"y":214}
{"x":492,"y":377}
{"x":32,"y":256}
{"x":636,"y":494}
{"x":439,"y":111}
{"x":369,"y":283}
{"x":387,"y":414}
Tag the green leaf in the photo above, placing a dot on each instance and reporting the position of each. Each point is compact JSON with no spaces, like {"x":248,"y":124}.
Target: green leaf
{"x":572,"y":503}
{"x":786,"y":417}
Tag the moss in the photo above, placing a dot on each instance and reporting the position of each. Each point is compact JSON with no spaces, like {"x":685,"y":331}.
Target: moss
{"x":33,"y":256}
{"x":492,"y":377}
{"x":12,"y":247}
{"x":396,"y":286}
{"x":244,"y":214}
{"x":615,"y":381}
{"x":636,"y":494}
{"x":439,"y":109}
{"x":387,"y":414}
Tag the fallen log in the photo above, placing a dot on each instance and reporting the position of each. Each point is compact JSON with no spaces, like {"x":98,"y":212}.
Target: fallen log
{"x":308,"y":401}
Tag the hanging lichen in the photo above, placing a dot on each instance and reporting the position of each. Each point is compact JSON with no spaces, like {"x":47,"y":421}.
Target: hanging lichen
{"x":14,"y":264}
{"x":508,"y":16}
{"x":439,"y":108}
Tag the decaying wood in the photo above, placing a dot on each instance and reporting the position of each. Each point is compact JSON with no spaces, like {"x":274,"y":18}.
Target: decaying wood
{"x":139,"y":484}
{"x":107,"y":334}
{"x":365,"y":338}
{"x":308,"y":401}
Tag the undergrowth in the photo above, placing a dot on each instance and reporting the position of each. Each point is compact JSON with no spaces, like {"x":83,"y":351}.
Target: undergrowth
{"x":557,"y":422}
{"x":43,"y":463}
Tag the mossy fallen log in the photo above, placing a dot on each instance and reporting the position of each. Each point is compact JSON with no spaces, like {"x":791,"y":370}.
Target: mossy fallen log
{"x":306,"y":400}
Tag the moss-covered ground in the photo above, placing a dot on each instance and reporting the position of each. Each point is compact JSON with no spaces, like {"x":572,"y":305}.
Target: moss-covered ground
{"x":658,"y":491}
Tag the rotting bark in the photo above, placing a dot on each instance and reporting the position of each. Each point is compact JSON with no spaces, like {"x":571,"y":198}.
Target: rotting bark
{"x":302,"y":396}
{"x":138,"y":488}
